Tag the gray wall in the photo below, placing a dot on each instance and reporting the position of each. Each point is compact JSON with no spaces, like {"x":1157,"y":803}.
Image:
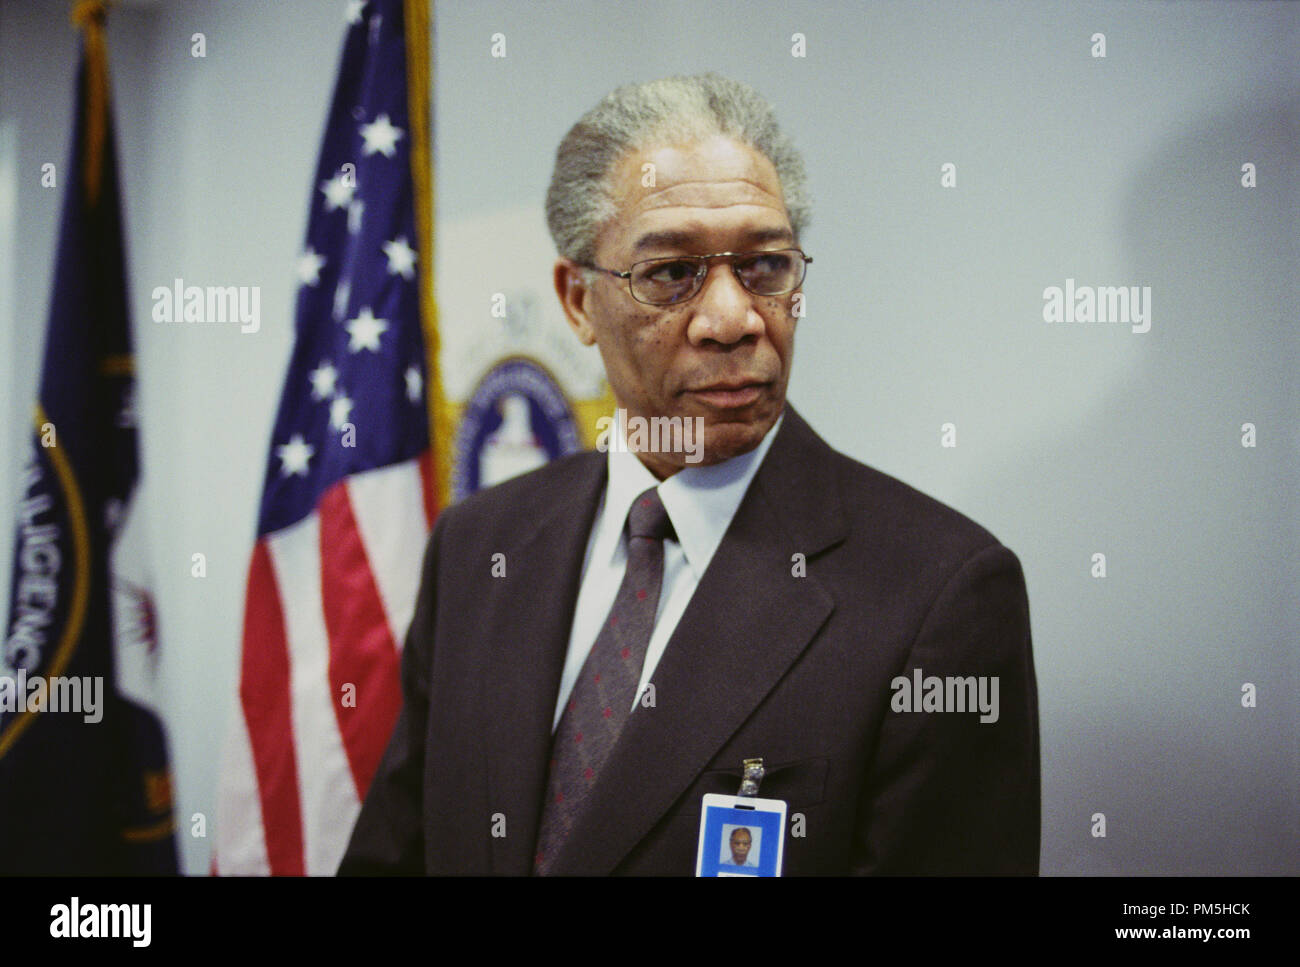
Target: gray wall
{"x":925,"y":307}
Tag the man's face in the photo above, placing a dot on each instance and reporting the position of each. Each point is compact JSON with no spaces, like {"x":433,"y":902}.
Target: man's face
{"x":723,"y":355}
{"x":740,"y":843}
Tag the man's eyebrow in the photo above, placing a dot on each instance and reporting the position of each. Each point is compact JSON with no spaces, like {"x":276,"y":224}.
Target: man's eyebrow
{"x":677,"y":239}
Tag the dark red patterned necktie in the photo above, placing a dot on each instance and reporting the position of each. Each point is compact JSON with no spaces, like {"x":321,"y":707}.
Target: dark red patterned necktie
{"x":601,"y":700}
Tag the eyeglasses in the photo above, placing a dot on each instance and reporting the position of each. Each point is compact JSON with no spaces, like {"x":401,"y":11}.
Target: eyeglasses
{"x":668,"y":281}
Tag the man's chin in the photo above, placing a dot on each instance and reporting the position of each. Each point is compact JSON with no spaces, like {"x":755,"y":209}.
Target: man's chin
{"x":725,"y":438}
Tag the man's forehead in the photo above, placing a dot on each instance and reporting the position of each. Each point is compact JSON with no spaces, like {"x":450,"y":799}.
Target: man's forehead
{"x":689,"y":231}
{"x":717,"y":184}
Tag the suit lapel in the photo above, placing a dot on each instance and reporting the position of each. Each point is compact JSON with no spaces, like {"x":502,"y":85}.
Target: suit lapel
{"x":528,"y":644}
{"x":748,"y":621}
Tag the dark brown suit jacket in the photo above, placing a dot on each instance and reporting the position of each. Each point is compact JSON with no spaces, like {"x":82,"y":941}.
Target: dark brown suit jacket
{"x":797,"y":670}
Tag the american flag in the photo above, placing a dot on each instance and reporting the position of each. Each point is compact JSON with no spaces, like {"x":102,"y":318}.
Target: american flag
{"x":349,"y":495}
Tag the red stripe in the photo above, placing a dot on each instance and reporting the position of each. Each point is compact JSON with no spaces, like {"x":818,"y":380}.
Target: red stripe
{"x":429,"y":488}
{"x":265,"y":699}
{"x":363,"y":652}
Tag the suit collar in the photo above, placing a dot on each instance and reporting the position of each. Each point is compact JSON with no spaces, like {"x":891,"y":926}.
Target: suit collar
{"x":799,"y":478}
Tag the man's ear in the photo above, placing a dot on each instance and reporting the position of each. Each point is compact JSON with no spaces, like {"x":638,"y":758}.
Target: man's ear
{"x":571,"y":286}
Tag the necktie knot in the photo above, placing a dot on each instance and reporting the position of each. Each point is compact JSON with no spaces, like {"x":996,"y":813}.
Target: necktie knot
{"x":648,"y":518}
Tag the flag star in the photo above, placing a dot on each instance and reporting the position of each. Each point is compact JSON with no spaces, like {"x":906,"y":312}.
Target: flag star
{"x":338,"y":191}
{"x":381,"y":136}
{"x":341,"y":296}
{"x":414,"y":383}
{"x":323,"y":380}
{"x":340,"y":410}
{"x":294,"y":456}
{"x":401,"y":257}
{"x":355,"y":211}
{"x":352,"y":12}
{"x":375,"y":21}
{"x":365,"y":330}
{"x":309,"y":266}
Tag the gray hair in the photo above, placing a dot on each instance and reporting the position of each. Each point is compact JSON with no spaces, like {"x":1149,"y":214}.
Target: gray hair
{"x":673,"y":110}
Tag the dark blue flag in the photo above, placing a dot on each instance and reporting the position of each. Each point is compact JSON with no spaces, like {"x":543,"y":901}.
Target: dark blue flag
{"x":84,"y":779}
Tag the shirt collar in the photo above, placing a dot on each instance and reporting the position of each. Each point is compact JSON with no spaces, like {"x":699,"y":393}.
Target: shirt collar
{"x":700,"y":500}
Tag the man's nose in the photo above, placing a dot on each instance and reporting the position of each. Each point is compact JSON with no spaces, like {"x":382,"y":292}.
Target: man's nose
{"x":724,"y":309}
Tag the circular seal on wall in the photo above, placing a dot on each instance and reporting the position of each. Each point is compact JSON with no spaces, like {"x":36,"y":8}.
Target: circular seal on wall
{"x":516,"y":420}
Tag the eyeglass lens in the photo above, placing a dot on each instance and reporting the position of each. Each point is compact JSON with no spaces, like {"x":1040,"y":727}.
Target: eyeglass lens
{"x":664,"y":281}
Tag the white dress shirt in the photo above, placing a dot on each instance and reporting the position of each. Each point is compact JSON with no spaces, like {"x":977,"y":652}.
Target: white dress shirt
{"x":700,"y":500}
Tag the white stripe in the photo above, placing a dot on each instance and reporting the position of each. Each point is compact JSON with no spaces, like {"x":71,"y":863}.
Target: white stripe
{"x":241,"y":842}
{"x":389,"y":507}
{"x":325,"y":785}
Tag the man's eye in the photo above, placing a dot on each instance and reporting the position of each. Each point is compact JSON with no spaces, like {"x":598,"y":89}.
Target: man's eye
{"x":671,"y":272}
{"x":773,"y":264}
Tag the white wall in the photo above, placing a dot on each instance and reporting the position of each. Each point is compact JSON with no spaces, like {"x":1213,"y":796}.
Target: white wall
{"x":925,"y":307}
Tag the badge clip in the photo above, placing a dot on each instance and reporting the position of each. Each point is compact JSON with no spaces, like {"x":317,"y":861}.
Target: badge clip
{"x":752,"y":774}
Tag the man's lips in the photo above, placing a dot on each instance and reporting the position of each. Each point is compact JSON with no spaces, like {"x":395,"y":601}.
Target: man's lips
{"x":729,"y":394}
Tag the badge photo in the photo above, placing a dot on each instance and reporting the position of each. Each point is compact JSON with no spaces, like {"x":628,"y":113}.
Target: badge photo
{"x":740,"y":836}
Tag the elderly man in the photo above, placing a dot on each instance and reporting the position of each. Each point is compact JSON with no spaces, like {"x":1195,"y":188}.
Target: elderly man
{"x":659,"y":620}
{"x":740,"y":842}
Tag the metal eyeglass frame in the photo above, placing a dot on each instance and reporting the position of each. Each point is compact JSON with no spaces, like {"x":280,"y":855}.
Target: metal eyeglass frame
{"x":702,"y":270}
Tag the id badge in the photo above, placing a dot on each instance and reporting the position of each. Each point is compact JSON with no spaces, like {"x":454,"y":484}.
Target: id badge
{"x":740,"y":836}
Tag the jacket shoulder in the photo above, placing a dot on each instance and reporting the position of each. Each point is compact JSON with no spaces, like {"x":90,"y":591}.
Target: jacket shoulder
{"x":899,"y":526}
{"x":872,"y":502}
